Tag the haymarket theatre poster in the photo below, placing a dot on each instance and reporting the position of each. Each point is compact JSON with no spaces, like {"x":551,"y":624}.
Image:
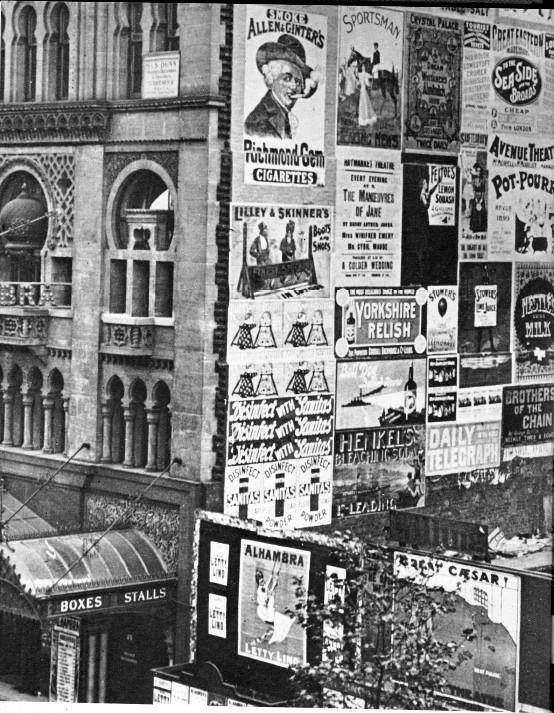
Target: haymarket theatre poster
{"x":273,"y":579}
{"x":284,"y":97}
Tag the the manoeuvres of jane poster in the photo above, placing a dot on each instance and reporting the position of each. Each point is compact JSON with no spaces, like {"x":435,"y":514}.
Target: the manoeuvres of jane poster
{"x":284,"y":97}
{"x":273,"y":582}
{"x":433,"y":59}
{"x":369,"y":91}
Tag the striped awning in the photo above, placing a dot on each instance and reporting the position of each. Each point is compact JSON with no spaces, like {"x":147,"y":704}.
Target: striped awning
{"x":26,"y":523}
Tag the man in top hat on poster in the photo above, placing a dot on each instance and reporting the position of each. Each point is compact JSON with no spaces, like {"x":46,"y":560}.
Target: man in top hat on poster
{"x":288,"y":78}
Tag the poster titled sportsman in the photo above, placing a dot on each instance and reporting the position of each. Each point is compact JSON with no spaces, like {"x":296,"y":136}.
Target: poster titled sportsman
{"x":273,"y":580}
{"x":284,"y":97}
{"x":369,"y":77}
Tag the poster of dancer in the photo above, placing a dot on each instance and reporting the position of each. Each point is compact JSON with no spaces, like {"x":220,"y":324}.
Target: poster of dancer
{"x":432,"y":85}
{"x":284,"y":97}
{"x":273,"y":580}
{"x":473,"y":205}
{"x":369,"y":77}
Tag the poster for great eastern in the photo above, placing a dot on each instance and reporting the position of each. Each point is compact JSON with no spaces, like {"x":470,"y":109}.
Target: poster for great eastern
{"x":284,"y":97}
{"x":273,"y":580}
{"x":434,"y":56}
{"x":369,"y":77}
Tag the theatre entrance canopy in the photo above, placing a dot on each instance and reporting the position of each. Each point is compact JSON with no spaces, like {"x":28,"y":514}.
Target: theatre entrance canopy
{"x":56,"y":575}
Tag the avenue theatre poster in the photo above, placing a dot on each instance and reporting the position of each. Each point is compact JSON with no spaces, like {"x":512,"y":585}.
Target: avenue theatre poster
{"x":487,"y":609}
{"x":284,"y":97}
{"x":273,"y":580}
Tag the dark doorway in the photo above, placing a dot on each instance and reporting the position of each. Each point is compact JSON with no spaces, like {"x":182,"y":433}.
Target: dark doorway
{"x":20,"y":652}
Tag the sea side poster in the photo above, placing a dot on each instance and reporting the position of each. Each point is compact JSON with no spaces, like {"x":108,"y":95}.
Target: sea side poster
{"x":442,"y":318}
{"x":433,"y":78}
{"x":284,"y":97}
{"x":475,"y":83}
{"x":521,"y":198}
{"x":487,"y":603}
{"x":273,"y":580}
{"x":534,"y":322}
{"x":370,"y":77}
{"x":473,"y":205}
{"x":280,"y":251}
{"x":368,"y":218}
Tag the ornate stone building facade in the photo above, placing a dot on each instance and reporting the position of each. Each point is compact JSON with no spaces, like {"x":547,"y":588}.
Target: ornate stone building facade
{"x":114,"y":120}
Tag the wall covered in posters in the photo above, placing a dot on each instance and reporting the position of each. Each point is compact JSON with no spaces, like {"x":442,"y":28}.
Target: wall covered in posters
{"x":392,"y":284}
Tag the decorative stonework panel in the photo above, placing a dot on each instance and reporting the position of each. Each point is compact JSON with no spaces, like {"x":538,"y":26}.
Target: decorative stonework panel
{"x":161,"y":524}
{"x":127,"y":338}
{"x":114,"y":163}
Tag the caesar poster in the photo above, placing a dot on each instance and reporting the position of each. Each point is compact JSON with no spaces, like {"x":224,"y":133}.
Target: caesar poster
{"x":368,"y":218}
{"x":534,"y":322}
{"x":429,"y":224}
{"x":369,"y":77}
{"x":433,"y":95}
{"x":521,"y":198}
{"x":487,"y":604}
{"x":284,"y":97}
{"x":475,"y":83}
{"x":273,"y":582}
{"x":473,"y":205}
{"x":280,"y":252}
{"x":378,"y":322}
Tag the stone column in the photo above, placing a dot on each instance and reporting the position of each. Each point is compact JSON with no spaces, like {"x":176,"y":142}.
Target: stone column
{"x":129,"y":418}
{"x":48,"y":408}
{"x":152,"y":419}
{"x":27,"y":402}
{"x":106,"y":433}
{"x":8,"y":418}
{"x":103,"y":667}
{"x":65,"y":404}
{"x":91,"y":668}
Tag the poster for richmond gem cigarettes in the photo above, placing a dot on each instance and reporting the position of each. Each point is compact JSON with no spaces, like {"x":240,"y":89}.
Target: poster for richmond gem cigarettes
{"x":521,"y":198}
{"x":487,"y":604}
{"x":273,"y":580}
{"x":369,"y":92}
{"x":368,"y":219}
{"x":433,"y":81}
{"x":284,"y":97}
{"x":280,"y":251}
{"x":476,"y":87}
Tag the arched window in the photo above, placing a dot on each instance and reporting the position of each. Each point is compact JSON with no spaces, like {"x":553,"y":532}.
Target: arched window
{"x":27,"y":52}
{"x":134,"y":55}
{"x":166,"y":27}
{"x":59,"y":52}
{"x":162,"y":397}
{"x":2,"y":57}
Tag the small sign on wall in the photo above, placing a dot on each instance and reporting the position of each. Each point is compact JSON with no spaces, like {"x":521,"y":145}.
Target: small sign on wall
{"x":160,"y":75}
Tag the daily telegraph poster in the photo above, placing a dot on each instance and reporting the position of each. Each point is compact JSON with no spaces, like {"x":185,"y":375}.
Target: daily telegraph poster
{"x":534,"y":322}
{"x":433,"y":79}
{"x":379,"y":469}
{"x":442,"y":319}
{"x":284,"y":97}
{"x":378,"y":322}
{"x":484,"y":323}
{"x":518,"y":82}
{"x":280,"y":251}
{"x":370,"y":77}
{"x":458,"y":447}
{"x":429,"y":224}
{"x":521,"y":198}
{"x":474,"y":205}
{"x":273,"y":580}
{"x":487,"y":604}
{"x":371,"y":394}
{"x":368,"y":220}
{"x":476,"y":86}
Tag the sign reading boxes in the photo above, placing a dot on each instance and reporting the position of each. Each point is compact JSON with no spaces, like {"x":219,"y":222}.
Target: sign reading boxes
{"x":378,"y":321}
{"x":160,"y":75}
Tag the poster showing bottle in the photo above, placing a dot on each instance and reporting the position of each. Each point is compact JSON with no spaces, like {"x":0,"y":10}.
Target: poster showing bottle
{"x":484,"y":319}
{"x":476,"y":85}
{"x":433,"y":83}
{"x":369,"y":93}
{"x":273,"y":583}
{"x":442,"y":319}
{"x":279,"y":251}
{"x":473,"y":205}
{"x":521,"y":198}
{"x":375,"y":322}
{"x":284,"y":97}
{"x":429,"y":224}
{"x":534,"y":322}
{"x":518,"y":82}
{"x":380,"y":393}
{"x":368,"y":218}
